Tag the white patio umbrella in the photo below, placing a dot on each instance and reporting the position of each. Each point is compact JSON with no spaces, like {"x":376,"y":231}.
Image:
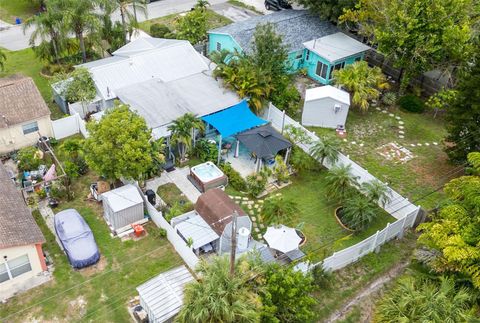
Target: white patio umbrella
{"x":282,"y":238}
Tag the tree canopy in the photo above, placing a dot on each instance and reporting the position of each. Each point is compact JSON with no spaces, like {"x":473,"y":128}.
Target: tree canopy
{"x":327,"y":9}
{"x":119,"y":144}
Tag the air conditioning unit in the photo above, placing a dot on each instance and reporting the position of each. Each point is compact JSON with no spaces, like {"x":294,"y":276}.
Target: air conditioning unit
{"x":337,"y":108}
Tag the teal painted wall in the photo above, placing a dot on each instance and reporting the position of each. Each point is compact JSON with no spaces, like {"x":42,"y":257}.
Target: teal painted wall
{"x":226,"y":42}
{"x":313,"y":59}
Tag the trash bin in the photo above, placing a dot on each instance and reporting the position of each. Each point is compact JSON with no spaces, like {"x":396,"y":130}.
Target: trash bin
{"x":151,"y":197}
{"x":18,"y":21}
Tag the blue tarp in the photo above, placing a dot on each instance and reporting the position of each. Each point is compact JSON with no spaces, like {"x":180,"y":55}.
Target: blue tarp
{"x":234,"y":120}
{"x":76,"y":238}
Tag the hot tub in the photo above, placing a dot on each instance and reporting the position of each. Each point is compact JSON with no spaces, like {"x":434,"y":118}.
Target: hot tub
{"x":207,"y":176}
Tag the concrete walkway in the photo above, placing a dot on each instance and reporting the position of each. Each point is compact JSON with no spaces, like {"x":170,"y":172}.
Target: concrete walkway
{"x":179,"y":178}
{"x":47,"y":214}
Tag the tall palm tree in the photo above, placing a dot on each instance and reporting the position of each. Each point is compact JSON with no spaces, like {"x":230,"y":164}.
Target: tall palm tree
{"x":358,"y":213}
{"x":219,"y":297}
{"x":129,"y":19}
{"x":182,"y":132}
{"x":48,"y":27}
{"x":326,"y":148}
{"x":194,"y":123}
{"x":419,"y":300}
{"x":376,"y":192}
{"x":364,"y":83}
{"x":81,"y":18}
{"x":340,"y":181}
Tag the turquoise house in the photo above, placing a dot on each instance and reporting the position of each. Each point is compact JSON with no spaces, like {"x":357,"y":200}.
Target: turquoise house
{"x":313,"y":44}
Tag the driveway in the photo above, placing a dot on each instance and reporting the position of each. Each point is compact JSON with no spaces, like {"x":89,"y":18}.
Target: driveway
{"x":13,"y":38}
{"x":232,"y":12}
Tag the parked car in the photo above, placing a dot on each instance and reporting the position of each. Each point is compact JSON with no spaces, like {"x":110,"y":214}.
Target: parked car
{"x":76,"y":238}
{"x":277,"y":5}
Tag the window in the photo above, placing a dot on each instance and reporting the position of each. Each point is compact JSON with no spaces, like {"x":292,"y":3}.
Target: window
{"x":219,"y":47}
{"x":358,"y":59}
{"x":322,"y":70}
{"x":336,"y":67}
{"x":30,"y":127}
{"x":14,"y":268}
{"x":308,"y":55}
{"x":299,"y":55}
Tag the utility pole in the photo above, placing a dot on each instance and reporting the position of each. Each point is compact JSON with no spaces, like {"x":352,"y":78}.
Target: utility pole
{"x":234,"y":243}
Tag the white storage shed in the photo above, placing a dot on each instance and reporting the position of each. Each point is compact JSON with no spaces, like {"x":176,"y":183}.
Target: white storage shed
{"x":122,"y":207}
{"x":162,"y":296}
{"x":325,"y":106}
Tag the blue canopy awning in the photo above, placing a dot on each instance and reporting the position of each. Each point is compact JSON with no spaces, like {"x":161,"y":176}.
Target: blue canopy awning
{"x":233,"y":120}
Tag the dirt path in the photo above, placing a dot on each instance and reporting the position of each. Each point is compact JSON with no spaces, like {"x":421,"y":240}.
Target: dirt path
{"x":363,"y":298}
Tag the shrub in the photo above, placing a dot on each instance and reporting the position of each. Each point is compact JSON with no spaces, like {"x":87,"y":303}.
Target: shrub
{"x":158,"y":233}
{"x":280,"y":170}
{"x":411,"y":103}
{"x":256,"y":183}
{"x":41,"y":194}
{"x":279,"y":210}
{"x":389,"y":99}
{"x":358,"y":213}
{"x":28,"y":159}
{"x":205,"y":150}
{"x":234,"y":177}
{"x":302,"y":161}
{"x":159,"y":30}
{"x":58,"y":191}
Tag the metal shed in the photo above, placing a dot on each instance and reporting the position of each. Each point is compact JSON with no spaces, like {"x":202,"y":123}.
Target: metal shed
{"x":325,"y":106}
{"x":162,"y":296}
{"x":122,"y":206}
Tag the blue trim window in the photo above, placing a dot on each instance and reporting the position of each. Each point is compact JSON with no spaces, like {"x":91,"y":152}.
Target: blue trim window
{"x":219,"y":46}
{"x":321,"y":70}
{"x":30,"y":127}
{"x":299,"y":55}
{"x":308,"y":56}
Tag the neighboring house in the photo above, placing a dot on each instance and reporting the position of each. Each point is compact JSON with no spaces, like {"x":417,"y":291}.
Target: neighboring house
{"x":23,"y":114}
{"x":161,"y":79}
{"x":21,"y":257}
{"x":325,"y":106}
{"x":313,"y":44}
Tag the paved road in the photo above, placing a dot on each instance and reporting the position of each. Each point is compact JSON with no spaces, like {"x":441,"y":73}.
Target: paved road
{"x":13,"y":38}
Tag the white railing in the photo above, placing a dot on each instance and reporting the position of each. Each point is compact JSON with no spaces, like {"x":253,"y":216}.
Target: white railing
{"x":399,"y":207}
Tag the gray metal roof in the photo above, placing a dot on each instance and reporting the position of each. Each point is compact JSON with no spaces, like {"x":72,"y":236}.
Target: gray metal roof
{"x":197,"y":229}
{"x":123,"y":197}
{"x":295,"y":26}
{"x":162,"y":102}
{"x":336,"y":47}
{"x":163,"y":295}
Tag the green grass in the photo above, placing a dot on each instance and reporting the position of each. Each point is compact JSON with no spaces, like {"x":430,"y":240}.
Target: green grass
{"x":105,"y":289}
{"x":413,"y":179}
{"x":10,"y":9}
{"x":324,"y":234}
{"x":214,"y":20}
{"x":172,"y":195}
{"x":25,"y":62}
{"x":347,"y":282}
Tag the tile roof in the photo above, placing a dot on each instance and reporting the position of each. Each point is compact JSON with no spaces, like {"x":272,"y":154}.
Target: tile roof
{"x":295,"y":26}
{"x":20,"y":101}
{"x":17,"y":226}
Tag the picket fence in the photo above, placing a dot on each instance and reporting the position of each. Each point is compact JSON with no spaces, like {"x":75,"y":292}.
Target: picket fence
{"x":399,"y":207}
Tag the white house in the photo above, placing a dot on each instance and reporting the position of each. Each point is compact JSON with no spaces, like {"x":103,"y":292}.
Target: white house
{"x":23,"y":114}
{"x":325,"y":106}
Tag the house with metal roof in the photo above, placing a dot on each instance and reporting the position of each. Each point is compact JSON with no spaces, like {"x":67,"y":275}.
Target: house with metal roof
{"x":23,"y":113}
{"x":313,"y":44}
{"x":162,"y":296}
{"x":22,"y":263}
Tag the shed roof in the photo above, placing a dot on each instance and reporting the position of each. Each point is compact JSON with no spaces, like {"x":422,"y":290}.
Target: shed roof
{"x":197,"y":229}
{"x":162,"y":102}
{"x":336,"y":46}
{"x":217,"y":208}
{"x":20,"y":101}
{"x":264,"y":141}
{"x":17,"y":226}
{"x":163,"y":295}
{"x":327,"y":91}
{"x":123,"y":197}
{"x":295,"y":26}
{"x":142,"y":60}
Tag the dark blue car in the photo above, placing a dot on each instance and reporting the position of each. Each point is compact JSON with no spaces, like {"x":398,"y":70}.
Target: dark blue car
{"x":76,"y":238}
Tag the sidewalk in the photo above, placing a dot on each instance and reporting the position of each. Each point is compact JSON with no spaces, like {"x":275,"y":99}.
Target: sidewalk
{"x":179,"y":178}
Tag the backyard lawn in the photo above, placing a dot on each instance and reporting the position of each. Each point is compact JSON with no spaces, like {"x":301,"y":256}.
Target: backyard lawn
{"x":422,"y":135}
{"x":25,"y":62}
{"x":214,"y":20}
{"x":98,"y":293}
{"x":11,"y":9}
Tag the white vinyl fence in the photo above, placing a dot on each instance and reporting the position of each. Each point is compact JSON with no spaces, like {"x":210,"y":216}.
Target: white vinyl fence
{"x":69,"y":126}
{"x":399,"y":207}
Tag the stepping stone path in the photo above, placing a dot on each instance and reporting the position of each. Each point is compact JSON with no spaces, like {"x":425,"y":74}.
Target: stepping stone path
{"x":398,"y":118}
{"x":435,"y":143}
{"x":353,"y":143}
{"x":262,"y":226}
{"x":361,"y":145}
{"x":419,"y":145}
{"x":427,"y":144}
{"x":384,"y":111}
{"x":401,"y":127}
{"x":256,"y":230}
{"x":401,"y":132}
{"x":345,"y":140}
{"x":245,"y":198}
{"x":378,"y":109}
{"x":254,"y":219}
{"x":401,"y":136}
{"x":401,"y":122}
{"x":391,"y":115}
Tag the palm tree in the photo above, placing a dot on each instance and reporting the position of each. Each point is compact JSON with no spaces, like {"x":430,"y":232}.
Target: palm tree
{"x":182,"y":132}
{"x":340,"y":181}
{"x":326,"y":148}
{"x":420,"y":300}
{"x":80,"y":17}
{"x":195,"y":124}
{"x":3,"y":59}
{"x":358,"y":213}
{"x":363,"y":82}
{"x":279,"y":210}
{"x":219,"y":297}
{"x":376,"y":192}
{"x":128,"y":19}
{"x":49,"y":28}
